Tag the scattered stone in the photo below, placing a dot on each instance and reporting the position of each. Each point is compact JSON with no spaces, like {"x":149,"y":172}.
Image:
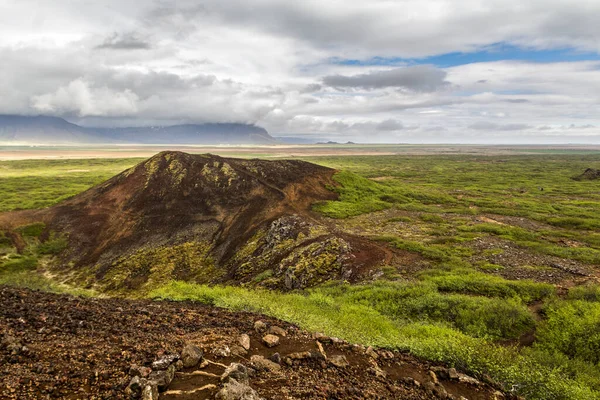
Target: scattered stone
{"x":238,"y":351}
{"x":429,"y":386}
{"x":468,"y":379}
{"x":276,"y":358}
{"x":163,"y":378}
{"x":150,"y":391}
{"x":386,"y":354}
{"x":303,"y":355}
{"x":378,"y":372}
{"x":411,"y":381}
{"x":178,"y":365}
{"x":222,"y":351}
{"x":244,"y":341}
{"x":191,"y":355}
{"x":339,"y":361}
{"x":276,"y":330}
{"x":142,"y":372}
{"x":440,"y":391}
{"x":321,"y":338}
{"x":260,"y":327}
{"x":12,"y":344}
{"x":452,"y":374}
{"x":498,"y":395}
{"x":234,"y":390}
{"x":270,"y":340}
{"x":371,"y":353}
{"x":163,"y":362}
{"x":433,"y":377}
{"x":134,"y":389}
{"x":263,"y":364}
{"x":235,"y":371}
{"x":321,"y":350}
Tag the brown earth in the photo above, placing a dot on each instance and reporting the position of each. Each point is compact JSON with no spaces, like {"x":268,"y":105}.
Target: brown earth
{"x":76,"y":348}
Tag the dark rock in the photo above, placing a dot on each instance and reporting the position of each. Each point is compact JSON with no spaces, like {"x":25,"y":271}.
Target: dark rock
{"x":234,"y":390}
{"x":260,"y":327}
{"x":191,"y":355}
{"x":164,"y":362}
{"x":142,"y":372}
{"x":263,"y":364}
{"x":276,"y":358}
{"x":163,"y":379}
{"x":150,"y":391}
{"x":235,"y":371}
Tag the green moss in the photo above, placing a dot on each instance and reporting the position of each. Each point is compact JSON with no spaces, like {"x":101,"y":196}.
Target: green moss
{"x":33,"y":230}
{"x":149,"y":268}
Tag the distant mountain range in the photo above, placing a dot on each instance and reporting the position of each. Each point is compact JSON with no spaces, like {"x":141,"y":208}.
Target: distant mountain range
{"x":43,"y":130}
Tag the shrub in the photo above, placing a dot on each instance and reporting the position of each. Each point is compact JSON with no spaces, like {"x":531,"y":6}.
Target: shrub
{"x":572,"y":328}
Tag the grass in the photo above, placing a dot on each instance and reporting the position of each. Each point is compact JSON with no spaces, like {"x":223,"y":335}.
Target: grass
{"x":41,"y":183}
{"x":335,"y":311}
{"x":457,"y":310}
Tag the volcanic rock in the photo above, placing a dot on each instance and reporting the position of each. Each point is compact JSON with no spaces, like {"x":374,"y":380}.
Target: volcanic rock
{"x":191,"y":355}
{"x":589,"y":174}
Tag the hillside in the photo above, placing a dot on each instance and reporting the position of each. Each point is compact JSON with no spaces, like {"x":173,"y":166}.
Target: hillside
{"x":204,"y":219}
{"x":42,"y":130}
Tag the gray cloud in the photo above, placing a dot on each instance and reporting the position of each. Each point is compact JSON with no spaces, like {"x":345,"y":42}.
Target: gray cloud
{"x":491,"y":126}
{"x":420,"y":78}
{"x":125,"y":41}
{"x":270,"y":62}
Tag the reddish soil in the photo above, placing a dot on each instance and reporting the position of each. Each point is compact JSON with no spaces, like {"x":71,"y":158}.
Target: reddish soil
{"x":83,"y":348}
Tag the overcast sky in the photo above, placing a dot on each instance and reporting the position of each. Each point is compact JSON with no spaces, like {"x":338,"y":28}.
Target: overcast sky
{"x":471,"y":71}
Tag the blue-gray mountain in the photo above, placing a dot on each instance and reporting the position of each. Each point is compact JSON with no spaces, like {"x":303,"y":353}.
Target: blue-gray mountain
{"x":43,"y":130}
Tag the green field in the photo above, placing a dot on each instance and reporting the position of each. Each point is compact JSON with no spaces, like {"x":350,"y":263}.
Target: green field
{"x":503,"y":281}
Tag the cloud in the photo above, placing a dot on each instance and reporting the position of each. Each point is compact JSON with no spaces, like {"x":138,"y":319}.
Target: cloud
{"x":420,"y":78}
{"x":125,"y":41}
{"x":491,"y":126}
{"x":273,"y":63}
{"x":83,"y":99}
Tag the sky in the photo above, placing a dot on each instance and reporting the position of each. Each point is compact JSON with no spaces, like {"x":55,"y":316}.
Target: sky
{"x":377,"y":71}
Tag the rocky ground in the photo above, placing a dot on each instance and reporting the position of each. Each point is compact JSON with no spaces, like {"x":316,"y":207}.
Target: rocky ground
{"x":63,"y":347}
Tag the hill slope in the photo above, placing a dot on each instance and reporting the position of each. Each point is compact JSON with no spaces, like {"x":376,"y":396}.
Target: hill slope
{"x":202,"y":218}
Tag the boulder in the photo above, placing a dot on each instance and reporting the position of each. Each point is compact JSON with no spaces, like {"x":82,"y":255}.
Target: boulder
{"x":234,"y":390}
{"x":191,"y":355}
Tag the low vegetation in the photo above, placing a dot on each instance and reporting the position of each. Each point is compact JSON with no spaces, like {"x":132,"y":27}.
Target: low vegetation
{"x":489,"y":243}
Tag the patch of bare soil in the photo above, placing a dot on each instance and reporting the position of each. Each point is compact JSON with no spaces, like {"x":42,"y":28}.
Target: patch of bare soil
{"x":62,"y":347}
{"x":521,"y":263}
